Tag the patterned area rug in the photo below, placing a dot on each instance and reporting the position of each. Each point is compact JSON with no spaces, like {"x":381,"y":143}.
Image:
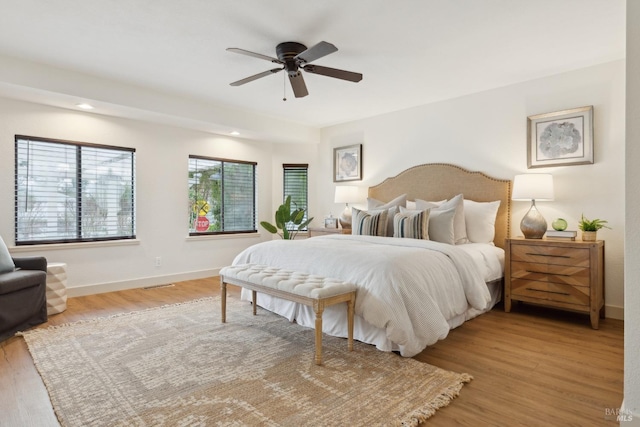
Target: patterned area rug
{"x":178,"y":365}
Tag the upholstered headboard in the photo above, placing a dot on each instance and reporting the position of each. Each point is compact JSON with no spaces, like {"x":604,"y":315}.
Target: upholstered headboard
{"x":438,"y":181}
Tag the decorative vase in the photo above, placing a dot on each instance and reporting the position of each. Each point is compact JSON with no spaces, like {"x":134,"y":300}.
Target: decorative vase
{"x":589,"y":236}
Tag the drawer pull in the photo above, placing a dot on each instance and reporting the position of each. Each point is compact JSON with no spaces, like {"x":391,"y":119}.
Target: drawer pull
{"x":549,"y":292}
{"x":550,"y":274}
{"x":548,"y":255}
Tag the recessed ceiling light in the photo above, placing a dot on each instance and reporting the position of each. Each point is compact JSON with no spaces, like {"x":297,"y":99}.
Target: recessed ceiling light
{"x":234,"y":133}
{"x":85,"y":106}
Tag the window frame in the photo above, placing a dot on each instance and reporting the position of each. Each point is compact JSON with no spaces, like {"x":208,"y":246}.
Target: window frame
{"x":78,"y":193}
{"x":254,"y":201}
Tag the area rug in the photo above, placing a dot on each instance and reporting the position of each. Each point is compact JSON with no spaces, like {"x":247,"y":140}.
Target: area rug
{"x":178,"y":365}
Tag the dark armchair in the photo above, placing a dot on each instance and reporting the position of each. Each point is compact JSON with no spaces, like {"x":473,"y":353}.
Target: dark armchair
{"x":23,"y":296}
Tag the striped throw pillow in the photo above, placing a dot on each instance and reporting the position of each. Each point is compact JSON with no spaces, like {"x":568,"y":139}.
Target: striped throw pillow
{"x":369,"y":224}
{"x":413,"y":225}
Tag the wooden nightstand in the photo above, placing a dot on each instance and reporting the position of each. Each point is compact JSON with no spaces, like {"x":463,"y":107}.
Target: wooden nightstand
{"x":556,"y":273}
{"x":321,"y":231}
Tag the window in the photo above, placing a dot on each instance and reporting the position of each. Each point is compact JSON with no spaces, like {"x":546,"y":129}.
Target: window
{"x":295,"y":185}
{"x":222,"y":196}
{"x":72,"y":192}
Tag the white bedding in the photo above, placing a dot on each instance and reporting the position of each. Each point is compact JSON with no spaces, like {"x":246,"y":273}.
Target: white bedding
{"x":410,"y":292}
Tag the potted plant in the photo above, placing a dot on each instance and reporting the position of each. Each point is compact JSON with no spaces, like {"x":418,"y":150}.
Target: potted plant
{"x":590,"y":228}
{"x":288,"y":221}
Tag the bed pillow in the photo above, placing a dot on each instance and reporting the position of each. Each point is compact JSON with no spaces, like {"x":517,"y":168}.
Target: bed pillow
{"x":440,"y":225}
{"x":411,"y":204}
{"x":369,"y":223}
{"x":391,"y":206}
{"x":480,"y":218}
{"x":6,"y":262}
{"x":411,"y":224}
{"x":459,"y":226}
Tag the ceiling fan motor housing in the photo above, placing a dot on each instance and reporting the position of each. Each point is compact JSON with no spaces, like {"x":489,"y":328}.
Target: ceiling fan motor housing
{"x":287,"y":52}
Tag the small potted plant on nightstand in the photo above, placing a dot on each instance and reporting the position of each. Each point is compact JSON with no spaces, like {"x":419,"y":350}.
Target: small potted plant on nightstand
{"x":590,"y":228}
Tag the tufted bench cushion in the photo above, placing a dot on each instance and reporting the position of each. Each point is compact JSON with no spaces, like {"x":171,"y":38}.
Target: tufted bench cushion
{"x":304,"y":288}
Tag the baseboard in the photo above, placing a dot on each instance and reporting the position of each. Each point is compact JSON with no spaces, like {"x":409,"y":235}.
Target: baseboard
{"x":99,"y":288}
{"x":614,"y":312}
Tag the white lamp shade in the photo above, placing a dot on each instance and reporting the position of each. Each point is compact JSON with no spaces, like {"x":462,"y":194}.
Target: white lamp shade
{"x":533,"y":186}
{"x":346,"y":194}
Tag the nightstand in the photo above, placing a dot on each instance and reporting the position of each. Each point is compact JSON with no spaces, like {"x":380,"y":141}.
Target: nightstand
{"x":556,"y":273}
{"x":322,"y":231}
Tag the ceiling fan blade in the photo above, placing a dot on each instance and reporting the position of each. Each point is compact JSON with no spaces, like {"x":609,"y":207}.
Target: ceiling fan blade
{"x":333,"y":72}
{"x":298,"y":85}
{"x":255,"y":55}
{"x":316,"y":51}
{"x":256,"y":76}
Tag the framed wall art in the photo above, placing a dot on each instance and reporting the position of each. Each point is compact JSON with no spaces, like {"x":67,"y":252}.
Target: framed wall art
{"x":561,"y":138}
{"x":347,"y":163}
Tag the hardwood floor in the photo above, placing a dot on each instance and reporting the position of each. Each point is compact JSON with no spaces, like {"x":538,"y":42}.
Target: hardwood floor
{"x":531,"y":367}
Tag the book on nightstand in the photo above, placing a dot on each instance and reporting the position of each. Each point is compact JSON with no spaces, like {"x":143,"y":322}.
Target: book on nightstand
{"x":565,"y":234}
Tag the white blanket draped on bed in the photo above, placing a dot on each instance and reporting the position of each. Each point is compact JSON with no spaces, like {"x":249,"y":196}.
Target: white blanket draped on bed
{"x":406,"y":287}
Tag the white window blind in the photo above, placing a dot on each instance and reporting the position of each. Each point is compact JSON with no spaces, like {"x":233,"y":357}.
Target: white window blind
{"x":72,"y":192}
{"x":222,"y":196}
{"x":295,"y":179}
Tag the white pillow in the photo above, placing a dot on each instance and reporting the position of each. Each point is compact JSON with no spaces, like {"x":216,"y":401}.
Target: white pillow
{"x":457,"y":202}
{"x":6,"y":262}
{"x":440,"y":224}
{"x":411,"y":205}
{"x":480,"y":218}
{"x":374,"y":205}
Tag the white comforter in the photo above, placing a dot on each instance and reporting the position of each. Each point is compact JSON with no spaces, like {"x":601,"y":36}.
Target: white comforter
{"x":408,"y":288}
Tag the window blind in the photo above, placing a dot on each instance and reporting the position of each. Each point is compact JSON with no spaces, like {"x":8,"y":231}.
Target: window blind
{"x":295,"y":179}
{"x":72,"y":192}
{"x":222,"y":196}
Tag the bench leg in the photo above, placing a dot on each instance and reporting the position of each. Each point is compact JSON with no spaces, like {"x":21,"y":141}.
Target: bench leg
{"x":223,"y":300}
{"x":254,"y":299}
{"x":318,"y":307}
{"x":350,"y":310}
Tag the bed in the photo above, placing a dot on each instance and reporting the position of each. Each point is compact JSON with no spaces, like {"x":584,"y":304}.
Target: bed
{"x":410,"y":291}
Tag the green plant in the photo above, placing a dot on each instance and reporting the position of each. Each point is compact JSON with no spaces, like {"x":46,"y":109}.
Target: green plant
{"x":592,"y":225}
{"x":290,"y":222}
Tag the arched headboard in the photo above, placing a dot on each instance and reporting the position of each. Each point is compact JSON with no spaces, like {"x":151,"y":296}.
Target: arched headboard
{"x":438,"y":181}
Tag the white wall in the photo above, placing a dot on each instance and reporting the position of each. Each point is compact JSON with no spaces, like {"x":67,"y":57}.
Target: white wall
{"x":632,"y":235}
{"x":487,"y":132}
{"x":161,"y":170}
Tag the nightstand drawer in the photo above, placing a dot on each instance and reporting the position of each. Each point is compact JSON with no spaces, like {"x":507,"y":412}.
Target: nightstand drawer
{"x":563,"y":274}
{"x":551,"y":255}
{"x":549,"y":291}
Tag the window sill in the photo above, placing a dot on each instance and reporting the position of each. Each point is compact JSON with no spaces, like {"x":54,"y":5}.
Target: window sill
{"x":83,"y":245}
{"x":223,"y":236}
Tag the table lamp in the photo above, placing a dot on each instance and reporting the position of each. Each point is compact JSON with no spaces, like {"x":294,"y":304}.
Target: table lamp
{"x":346,"y":194}
{"x":533,"y":187}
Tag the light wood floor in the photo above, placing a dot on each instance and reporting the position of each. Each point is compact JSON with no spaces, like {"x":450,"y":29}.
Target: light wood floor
{"x":531,"y":366}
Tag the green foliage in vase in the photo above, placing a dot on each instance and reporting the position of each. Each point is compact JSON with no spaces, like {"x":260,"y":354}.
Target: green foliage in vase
{"x":592,"y":225}
{"x":288,"y":221}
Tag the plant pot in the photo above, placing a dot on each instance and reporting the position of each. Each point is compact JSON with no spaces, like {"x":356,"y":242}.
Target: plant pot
{"x":589,"y":236}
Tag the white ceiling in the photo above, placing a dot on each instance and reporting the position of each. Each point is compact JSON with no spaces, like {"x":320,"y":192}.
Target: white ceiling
{"x":411,"y":52}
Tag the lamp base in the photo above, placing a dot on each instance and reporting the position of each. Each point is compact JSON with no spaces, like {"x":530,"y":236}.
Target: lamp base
{"x":533,"y":224}
{"x":345,"y":218}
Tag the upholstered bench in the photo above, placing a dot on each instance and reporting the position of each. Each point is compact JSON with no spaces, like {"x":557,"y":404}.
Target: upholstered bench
{"x":315,"y":291}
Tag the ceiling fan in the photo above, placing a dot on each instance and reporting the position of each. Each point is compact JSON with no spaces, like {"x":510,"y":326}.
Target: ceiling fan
{"x":293,"y":57}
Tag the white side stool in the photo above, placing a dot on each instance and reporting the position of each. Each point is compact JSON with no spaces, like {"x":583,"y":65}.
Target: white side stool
{"x":56,"y":287}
